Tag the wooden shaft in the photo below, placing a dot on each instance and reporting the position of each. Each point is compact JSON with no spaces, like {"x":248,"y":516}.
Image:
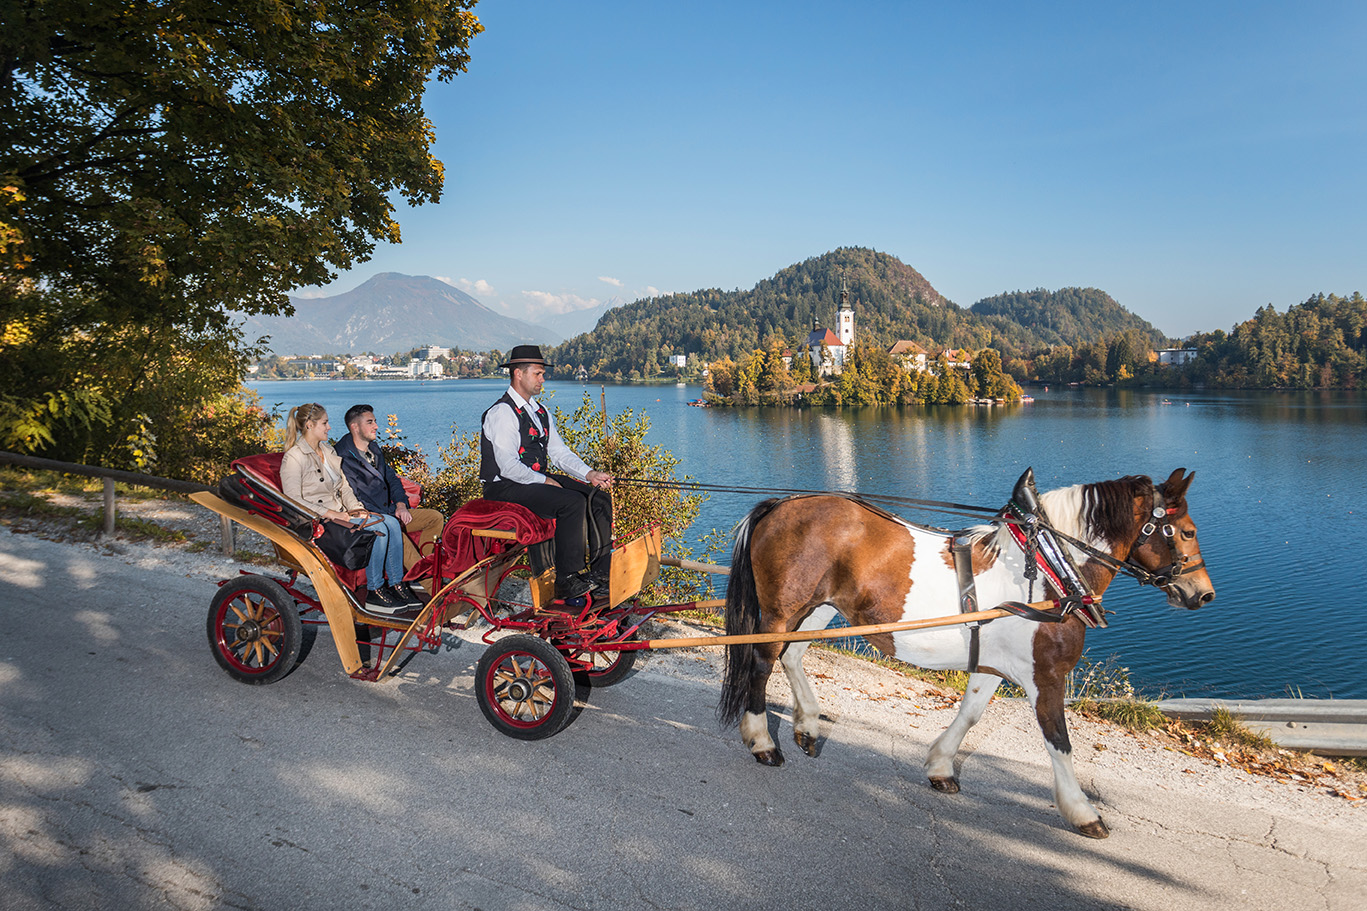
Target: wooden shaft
{"x":494,"y":533}
{"x":695,"y":566}
{"x":225,"y":532}
{"x":840,"y":632}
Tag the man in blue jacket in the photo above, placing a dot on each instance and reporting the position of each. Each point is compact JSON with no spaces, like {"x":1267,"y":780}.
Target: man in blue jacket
{"x":379,"y":489}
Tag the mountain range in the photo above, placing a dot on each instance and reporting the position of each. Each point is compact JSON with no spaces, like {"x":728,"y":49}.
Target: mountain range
{"x":392,"y":313}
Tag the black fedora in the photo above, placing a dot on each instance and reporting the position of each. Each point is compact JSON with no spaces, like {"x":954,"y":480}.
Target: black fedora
{"x":525,"y":354}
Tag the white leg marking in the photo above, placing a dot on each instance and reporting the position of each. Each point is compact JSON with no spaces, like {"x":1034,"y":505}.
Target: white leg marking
{"x":754,"y":731}
{"x":940,"y":759}
{"x":806,"y":709}
{"x":1072,"y":803}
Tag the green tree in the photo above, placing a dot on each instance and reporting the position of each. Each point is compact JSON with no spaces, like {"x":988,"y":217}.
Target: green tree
{"x":181,"y":158}
{"x":163,"y":164}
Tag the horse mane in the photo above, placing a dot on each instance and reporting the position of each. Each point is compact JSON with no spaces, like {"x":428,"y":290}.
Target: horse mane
{"x":1103,"y":511}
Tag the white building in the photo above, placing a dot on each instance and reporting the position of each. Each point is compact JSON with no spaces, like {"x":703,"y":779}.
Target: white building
{"x":678,"y":360}
{"x":1176,"y":357}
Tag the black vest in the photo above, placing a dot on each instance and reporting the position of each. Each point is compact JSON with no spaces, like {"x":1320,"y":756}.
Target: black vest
{"x":531,"y":449}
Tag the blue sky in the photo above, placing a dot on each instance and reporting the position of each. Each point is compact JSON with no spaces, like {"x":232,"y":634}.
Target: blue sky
{"x":1195,"y":160}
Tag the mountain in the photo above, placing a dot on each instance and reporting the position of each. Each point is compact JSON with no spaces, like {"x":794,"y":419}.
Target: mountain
{"x":393,"y":313}
{"x":577,"y":322}
{"x":1068,"y":316}
{"x":891,"y":301}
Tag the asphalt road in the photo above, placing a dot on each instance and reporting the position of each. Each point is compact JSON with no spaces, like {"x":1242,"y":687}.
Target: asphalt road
{"x":135,"y":774}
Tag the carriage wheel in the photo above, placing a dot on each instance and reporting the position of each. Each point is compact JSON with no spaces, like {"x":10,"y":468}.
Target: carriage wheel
{"x":525,"y":687}
{"x":254,"y":630}
{"x":609,"y":667}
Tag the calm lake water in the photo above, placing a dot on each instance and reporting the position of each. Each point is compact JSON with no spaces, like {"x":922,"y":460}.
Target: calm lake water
{"x":1280,"y":498}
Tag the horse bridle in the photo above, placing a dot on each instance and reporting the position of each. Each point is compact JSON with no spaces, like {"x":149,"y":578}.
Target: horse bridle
{"x":1158,"y":524}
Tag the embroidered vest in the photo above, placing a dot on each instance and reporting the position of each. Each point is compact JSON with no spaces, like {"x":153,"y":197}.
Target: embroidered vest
{"x":531,"y":447}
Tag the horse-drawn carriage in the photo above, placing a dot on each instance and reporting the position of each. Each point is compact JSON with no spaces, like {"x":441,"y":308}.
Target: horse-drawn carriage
{"x":524,"y":682}
{"x":914,"y":591}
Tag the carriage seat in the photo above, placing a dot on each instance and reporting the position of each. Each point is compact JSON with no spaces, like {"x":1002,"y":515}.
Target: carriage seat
{"x":465,"y":539}
{"x":256,"y":488}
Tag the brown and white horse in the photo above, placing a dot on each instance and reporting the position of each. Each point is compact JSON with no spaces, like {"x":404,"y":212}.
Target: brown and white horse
{"x":798,"y":560}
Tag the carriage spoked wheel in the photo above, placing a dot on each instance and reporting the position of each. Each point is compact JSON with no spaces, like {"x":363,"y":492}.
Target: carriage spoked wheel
{"x":525,"y":687}
{"x":609,"y":667}
{"x":254,"y":630}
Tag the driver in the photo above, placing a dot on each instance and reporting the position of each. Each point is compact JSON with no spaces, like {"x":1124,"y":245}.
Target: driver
{"x":518,"y":443}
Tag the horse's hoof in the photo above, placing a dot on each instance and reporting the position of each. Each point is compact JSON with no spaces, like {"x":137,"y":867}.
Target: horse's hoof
{"x":769,"y":758}
{"x":806,"y":741}
{"x":1095,"y":830}
{"x":945,"y":785}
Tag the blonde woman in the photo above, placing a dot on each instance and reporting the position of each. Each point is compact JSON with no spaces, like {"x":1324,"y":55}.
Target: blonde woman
{"x":311,"y":474}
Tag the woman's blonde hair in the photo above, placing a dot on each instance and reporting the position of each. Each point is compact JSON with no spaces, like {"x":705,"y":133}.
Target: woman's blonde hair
{"x":298,"y":419}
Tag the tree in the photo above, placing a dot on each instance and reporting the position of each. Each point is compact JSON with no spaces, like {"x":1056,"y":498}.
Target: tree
{"x":163,"y":164}
{"x":182,"y":158}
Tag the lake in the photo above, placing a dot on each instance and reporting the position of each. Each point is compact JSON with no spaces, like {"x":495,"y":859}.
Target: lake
{"x":1280,"y":497}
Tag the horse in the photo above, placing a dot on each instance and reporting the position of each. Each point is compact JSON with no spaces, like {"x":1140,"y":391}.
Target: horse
{"x":798,"y":560}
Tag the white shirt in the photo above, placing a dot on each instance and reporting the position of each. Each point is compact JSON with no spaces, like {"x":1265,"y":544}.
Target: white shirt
{"x":501,"y":427}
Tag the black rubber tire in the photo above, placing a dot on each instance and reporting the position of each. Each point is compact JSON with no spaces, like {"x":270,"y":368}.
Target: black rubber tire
{"x":608,"y":667}
{"x":254,"y":630}
{"x":525,"y":687}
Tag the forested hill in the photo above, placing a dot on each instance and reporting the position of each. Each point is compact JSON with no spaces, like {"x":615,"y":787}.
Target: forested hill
{"x":891,"y":301}
{"x":1037,"y":319}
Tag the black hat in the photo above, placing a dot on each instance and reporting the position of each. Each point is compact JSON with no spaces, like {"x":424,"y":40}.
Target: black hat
{"x":525,"y":354}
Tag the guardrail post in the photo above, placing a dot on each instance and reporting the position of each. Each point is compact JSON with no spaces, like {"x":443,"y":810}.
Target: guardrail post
{"x":225,"y":527}
{"x":108,"y":507}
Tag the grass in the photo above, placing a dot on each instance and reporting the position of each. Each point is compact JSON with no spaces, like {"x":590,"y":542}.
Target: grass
{"x":1227,"y":728}
{"x":1133,"y":714}
{"x":36,"y":481}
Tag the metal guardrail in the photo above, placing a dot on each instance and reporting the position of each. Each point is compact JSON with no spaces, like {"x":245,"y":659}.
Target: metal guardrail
{"x":112,"y":475}
{"x":1333,"y":727}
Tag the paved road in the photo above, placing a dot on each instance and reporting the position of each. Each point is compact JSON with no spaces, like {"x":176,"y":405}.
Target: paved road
{"x":135,"y":774}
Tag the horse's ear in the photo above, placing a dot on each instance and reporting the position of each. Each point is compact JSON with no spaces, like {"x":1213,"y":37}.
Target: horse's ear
{"x":1175,"y":487}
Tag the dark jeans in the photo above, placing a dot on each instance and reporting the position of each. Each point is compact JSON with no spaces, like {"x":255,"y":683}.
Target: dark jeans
{"x":571,"y":504}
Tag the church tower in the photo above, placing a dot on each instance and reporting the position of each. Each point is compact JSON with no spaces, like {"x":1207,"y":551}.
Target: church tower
{"x":845,"y":318}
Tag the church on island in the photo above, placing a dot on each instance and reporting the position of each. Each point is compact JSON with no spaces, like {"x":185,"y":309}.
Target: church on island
{"x":831,"y":361}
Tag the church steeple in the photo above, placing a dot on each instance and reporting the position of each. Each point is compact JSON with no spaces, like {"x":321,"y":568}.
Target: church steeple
{"x":845,"y":318}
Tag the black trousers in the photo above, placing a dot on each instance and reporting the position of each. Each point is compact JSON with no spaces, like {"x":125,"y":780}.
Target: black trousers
{"x":573,"y":505}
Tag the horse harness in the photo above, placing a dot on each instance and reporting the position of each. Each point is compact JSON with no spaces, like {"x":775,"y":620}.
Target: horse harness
{"x":1029,"y":527}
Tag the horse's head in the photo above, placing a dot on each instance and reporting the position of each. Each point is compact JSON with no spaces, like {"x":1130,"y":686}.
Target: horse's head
{"x":1167,"y":546}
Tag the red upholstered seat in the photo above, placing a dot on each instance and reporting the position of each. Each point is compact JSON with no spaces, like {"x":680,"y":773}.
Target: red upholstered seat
{"x":461,"y":548}
{"x":265,"y":468}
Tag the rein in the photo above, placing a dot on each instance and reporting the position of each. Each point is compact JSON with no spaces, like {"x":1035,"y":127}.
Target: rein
{"x":973,"y":512}
{"x":1025,"y":526}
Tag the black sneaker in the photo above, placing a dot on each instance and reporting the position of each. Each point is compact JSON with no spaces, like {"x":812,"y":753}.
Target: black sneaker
{"x":574,"y":586}
{"x":412,"y":591}
{"x":600,"y":582}
{"x":384,"y":600}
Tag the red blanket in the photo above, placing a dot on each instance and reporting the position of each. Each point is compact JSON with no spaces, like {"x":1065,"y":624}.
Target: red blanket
{"x":460,"y":549}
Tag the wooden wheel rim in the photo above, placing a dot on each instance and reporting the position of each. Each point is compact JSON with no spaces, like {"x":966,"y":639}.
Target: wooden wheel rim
{"x":250,"y":632}
{"x":521,"y":689}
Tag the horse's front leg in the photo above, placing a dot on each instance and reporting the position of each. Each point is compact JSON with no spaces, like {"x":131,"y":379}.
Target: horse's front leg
{"x":940,"y":760}
{"x":754,"y":723}
{"x":806,"y":710}
{"x":1072,"y":803}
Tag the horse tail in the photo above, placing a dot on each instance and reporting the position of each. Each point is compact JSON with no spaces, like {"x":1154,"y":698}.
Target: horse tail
{"x":742,"y":618}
